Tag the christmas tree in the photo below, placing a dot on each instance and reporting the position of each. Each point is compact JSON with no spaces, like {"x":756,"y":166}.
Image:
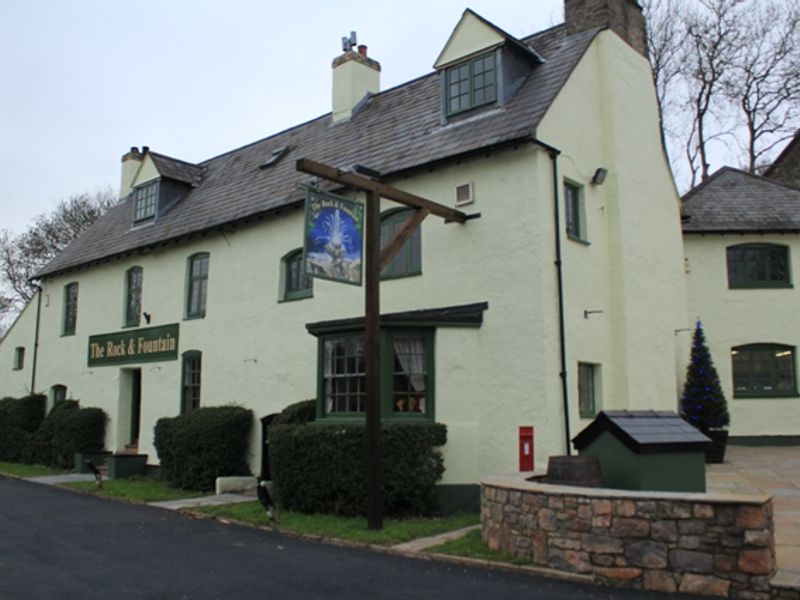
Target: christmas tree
{"x":703,"y":404}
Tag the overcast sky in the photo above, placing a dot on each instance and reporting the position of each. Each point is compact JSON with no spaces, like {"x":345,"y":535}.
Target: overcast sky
{"x":82,"y":81}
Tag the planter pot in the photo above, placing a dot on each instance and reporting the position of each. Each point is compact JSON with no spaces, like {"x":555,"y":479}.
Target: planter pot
{"x":715,"y":453}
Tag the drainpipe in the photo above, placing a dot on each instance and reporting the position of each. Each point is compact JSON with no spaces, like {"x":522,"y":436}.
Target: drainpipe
{"x":562,"y":337}
{"x":36,"y":337}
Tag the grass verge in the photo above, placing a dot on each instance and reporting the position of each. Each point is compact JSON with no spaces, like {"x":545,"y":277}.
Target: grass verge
{"x":471,"y":546}
{"x":354,"y":529}
{"x":135,"y":489}
{"x":20,"y":470}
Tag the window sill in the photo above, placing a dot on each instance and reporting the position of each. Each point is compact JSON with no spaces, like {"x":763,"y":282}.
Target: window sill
{"x":194,"y":317}
{"x":400,"y":275}
{"x":296,"y":296}
{"x":386,"y":420}
{"x":765,"y":395}
{"x":575,"y":238}
{"x":761,"y":286}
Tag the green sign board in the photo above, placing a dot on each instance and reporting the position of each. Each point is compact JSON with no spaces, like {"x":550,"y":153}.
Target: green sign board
{"x":134,"y":345}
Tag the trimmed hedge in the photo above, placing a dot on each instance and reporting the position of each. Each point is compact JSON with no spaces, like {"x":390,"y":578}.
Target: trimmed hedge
{"x":322,"y":467}
{"x":67,"y":429}
{"x":297,"y":413}
{"x":19,"y":419}
{"x":197,"y":448}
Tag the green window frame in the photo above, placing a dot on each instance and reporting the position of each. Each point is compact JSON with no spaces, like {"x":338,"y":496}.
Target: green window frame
{"x":471,"y":84}
{"x":588,"y":389}
{"x":297,"y":284}
{"x":69,"y":319}
{"x":134,"y":279}
{"x":407,"y":375}
{"x":145,"y":200}
{"x":763,"y":371}
{"x":58,"y":393}
{"x":574,"y":214}
{"x":758,"y":266}
{"x":408,"y":260}
{"x":191,"y":380}
{"x":19,"y":358}
{"x":197,"y":285}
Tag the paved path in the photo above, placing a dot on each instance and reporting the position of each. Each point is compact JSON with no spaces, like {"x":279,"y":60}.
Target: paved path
{"x":769,"y":470}
{"x":59,"y":545}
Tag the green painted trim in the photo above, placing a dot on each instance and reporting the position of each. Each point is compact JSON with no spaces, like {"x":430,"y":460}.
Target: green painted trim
{"x":287,"y":295}
{"x":187,"y":356}
{"x":188,"y":314}
{"x":472,"y":104}
{"x":126,"y":317}
{"x":764,"y":440}
{"x":396,"y":216}
{"x":126,"y":344}
{"x":757,"y":283}
{"x":65,"y":331}
{"x":458,"y":498}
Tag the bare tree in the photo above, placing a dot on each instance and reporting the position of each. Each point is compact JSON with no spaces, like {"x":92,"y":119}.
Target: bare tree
{"x":22,"y":255}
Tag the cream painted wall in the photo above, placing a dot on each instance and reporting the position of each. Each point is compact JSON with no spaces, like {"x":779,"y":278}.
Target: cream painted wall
{"x":17,"y":382}
{"x":631,"y":267}
{"x":470,"y":36}
{"x":146,"y":172}
{"x":744,"y":316}
{"x":352,"y":81}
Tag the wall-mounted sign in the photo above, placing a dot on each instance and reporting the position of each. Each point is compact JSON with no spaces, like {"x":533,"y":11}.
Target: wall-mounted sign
{"x":134,"y":345}
{"x":334,"y":230}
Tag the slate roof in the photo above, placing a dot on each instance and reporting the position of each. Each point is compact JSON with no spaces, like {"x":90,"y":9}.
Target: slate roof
{"x":644,"y":431}
{"x":733,"y":201}
{"x":464,"y":315}
{"x":394,"y":131}
{"x":178,"y":170}
{"x":785,"y":153}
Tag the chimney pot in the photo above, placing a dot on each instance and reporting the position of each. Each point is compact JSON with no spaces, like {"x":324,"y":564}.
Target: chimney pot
{"x":362,"y":50}
{"x":145,"y":149}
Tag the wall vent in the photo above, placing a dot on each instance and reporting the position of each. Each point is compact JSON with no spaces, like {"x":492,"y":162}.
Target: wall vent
{"x":464,"y":194}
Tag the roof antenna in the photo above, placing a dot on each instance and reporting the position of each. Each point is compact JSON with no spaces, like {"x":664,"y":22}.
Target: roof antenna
{"x":349,"y":43}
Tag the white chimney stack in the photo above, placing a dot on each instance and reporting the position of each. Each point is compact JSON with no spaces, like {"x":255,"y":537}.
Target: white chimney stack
{"x":354,"y":76}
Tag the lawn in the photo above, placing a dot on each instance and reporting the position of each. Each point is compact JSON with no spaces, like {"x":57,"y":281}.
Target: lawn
{"x":471,"y":546}
{"x":354,"y":529}
{"x":136,"y":489}
{"x":20,"y":470}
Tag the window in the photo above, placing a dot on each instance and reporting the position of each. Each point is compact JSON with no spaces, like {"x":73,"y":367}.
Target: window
{"x":133,"y":296}
{"x":408,"y":260}
{"x":758,"y":266}
{"x":197,"y":286}
{"x":471,"y":84}
{"x":761,"y":370}
{"x":19,"y":358}
{"x":190,"y":394}
{"x":588,"y":376}
{"x":145,"y":198}
{"x":406,"y":374}
{"x":296,"y":284}
{"x":574,"y":213}
{"x":58,"y":393}
{"x":70,"y":317}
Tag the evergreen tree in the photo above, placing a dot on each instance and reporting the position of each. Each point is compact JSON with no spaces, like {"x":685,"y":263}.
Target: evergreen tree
{"x":703,"y":404}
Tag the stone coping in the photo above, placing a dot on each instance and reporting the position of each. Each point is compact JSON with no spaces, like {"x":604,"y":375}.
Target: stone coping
{"x":519,"y":482}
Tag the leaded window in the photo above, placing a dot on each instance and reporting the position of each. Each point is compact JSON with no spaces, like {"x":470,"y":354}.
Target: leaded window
{"x":145,"y":199}
{"x":192,"y":367}
{"x":197,"y":286}
{"x":761,"y":370}
{"x":343,"y":375}
{"x":133,"y":296}
{"x":587,"y":389}
{"x":573,"y":211}
{"x":19,"y":358}
{"x":758,"y":266}
{"x":471,"y":84}
{"x":296,"y":283}
{"x":70,"y":317}
{"x":408,"y":260}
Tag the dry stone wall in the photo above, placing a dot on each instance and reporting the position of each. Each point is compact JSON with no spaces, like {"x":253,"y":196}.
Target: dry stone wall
{"x":718,"y":545}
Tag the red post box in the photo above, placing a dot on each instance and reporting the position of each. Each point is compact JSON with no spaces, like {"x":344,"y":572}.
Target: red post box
{"x":526,"y":448}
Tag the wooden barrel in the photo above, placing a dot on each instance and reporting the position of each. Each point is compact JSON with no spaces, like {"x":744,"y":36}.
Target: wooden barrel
{"x":574,"y":470}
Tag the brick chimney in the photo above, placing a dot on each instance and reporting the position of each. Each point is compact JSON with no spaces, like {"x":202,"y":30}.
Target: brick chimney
{"x":131,"y":161}
{"x":354,"y":76}
{"x":624,"y":17}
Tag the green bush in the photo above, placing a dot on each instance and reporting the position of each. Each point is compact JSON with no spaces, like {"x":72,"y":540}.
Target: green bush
{"x":322,"y":467}
{"x":297,"y":413}
{"x":197,"y":448}
{"x":67,"y":429}
{"x":19,"y":419}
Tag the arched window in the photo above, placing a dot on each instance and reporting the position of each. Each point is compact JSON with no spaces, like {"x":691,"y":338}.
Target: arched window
{"x":70,"y":316}
{"x":296,"y":284}
{"x":758,"y":266}
{"x":197,"y":285}
{"x":408,"y":261}
{"x":58,"y":393}
{"x":761,"y":370}
{"x":190,"y":392}
{"x":133,"y":296}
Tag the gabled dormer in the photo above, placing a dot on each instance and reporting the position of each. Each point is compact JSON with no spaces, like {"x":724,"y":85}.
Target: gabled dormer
{"x":481,"y":66}
{"x":155,"y":183}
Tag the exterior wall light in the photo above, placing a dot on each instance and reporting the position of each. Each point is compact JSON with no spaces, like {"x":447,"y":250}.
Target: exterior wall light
{"x":599,"y":176}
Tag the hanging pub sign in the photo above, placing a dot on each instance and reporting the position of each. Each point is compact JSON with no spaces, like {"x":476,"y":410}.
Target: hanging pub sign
{"x":334,"y":229}
{"x":134,"y":345}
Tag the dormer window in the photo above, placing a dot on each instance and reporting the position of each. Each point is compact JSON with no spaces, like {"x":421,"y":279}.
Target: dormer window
{"x":145,"y":199}
{"x":471,"y":84}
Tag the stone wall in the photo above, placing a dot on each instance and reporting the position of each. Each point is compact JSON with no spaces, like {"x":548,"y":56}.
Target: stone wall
{"x":719,"y":545}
